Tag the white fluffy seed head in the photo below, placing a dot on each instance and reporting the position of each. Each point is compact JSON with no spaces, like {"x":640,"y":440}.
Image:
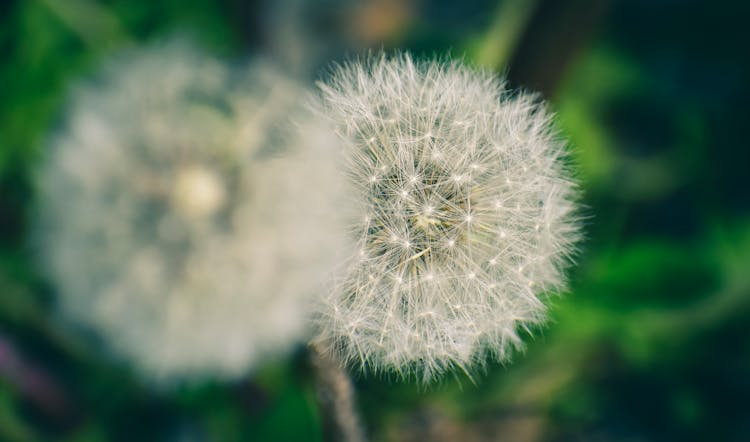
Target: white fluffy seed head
{"x":467,"y":216}
{"x":182,"y":215}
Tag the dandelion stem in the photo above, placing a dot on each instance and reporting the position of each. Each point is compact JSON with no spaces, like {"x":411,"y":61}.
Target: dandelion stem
{"x":341,"y":421}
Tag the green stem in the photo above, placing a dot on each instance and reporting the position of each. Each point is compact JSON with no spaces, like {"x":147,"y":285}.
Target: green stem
{"x":92,"y":22}
{"x":504,"y":34}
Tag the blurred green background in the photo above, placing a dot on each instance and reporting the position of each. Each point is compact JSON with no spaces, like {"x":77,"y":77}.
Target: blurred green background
{"x":650,"y":344}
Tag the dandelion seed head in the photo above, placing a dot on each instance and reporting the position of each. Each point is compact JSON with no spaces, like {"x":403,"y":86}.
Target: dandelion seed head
{"x":183,"y":218}
{"x":483,"y":170}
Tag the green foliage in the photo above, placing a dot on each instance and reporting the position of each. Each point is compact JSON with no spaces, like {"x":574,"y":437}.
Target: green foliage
{"x":650,"y":344}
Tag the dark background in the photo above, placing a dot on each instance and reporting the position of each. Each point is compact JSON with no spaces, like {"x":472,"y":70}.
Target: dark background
{"x":650,"y":344}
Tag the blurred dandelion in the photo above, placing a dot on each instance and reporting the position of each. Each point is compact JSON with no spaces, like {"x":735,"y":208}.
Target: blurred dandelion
{"x":466,"y":216}
{"x":183,"y":217}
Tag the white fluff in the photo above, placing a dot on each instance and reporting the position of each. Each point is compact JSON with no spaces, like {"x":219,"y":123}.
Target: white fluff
{"x":184,"y":217}
{"x":466,"y":216}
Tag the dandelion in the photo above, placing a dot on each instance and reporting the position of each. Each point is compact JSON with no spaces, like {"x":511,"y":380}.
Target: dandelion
{"x":180,"y":216}
{"x":466,"y":216}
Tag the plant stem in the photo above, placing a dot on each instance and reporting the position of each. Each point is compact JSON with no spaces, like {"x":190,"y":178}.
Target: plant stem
{"x":91,"y":21}
{"x":505,"y":32}
{"x":341,"y":421}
